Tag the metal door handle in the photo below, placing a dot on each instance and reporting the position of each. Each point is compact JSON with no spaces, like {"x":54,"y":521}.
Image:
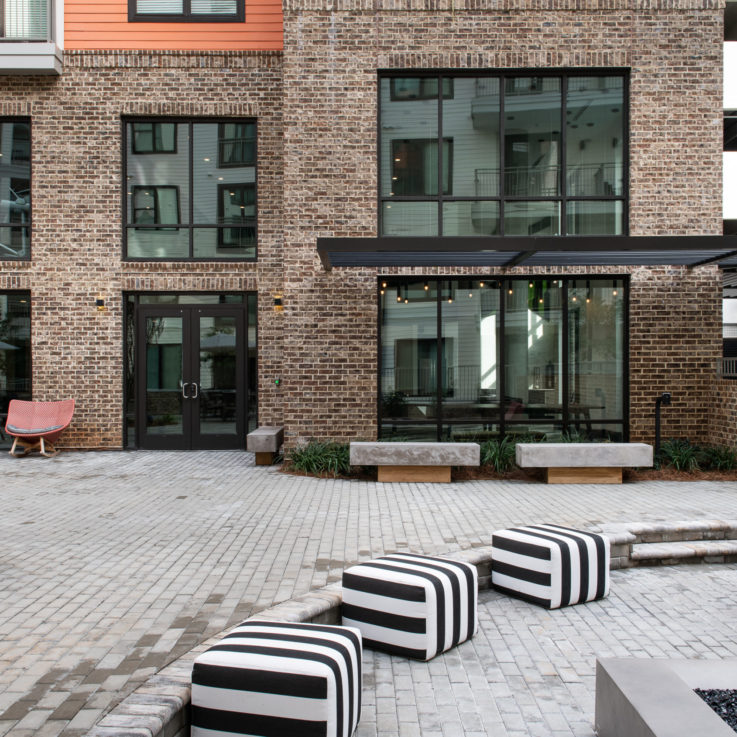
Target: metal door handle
{"x":184,"y":392}
{"x":196,"y":391}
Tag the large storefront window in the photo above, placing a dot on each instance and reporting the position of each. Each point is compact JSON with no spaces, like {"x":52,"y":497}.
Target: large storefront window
{"x":503,"y":154}
{"x":15,"y":189}
{"x":479,"y":358}
{"x":15,"y":352}
{"x":190,"y":190}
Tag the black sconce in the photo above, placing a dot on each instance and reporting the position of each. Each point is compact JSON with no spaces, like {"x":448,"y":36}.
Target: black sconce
{"x":662,"y":400}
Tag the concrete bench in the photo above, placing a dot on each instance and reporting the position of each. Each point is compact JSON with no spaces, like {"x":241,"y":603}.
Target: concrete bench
{"x":265,"y":443}
{"x":579,"y":463}
{"x":415,"y":461}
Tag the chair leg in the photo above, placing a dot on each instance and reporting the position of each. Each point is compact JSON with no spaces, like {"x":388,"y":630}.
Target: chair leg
{"x":25,"y":448}
{"x":52,"y":451}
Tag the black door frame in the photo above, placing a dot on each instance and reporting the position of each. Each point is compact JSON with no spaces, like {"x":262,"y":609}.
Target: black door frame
{"x":191,"y":437}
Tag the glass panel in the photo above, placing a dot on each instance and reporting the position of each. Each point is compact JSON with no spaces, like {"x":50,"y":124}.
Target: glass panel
{"x":215,"y":178}
{"x":587,"y":217}
{"x":225,"y":242}
{"x":217,"y":375}
{"x":415,"y":167}
{"x":164,"y":376}
{"x":471,"y":122}
{"x":408,"y":122}
{"x":597,"y":432}
{"x":533,"y":350}
{"x":190,"y":299}
{"x":214,"y":7}
{"x":130,"y":367}
{"x":532,"y":218}
{"x":15,"y":189}
{"x":470,"y":433}
{"x":532,"y":110}
{"x":159,"y":7}
{"x":24,"y":20}
{"x":236,"y":144}
{"x":410,"y":218}
{"x":158,"y":170}
{"x":595,"y":136}
{"x":409,"y":352}
{"x":398,"y":431}
{"x":470,"y":218}
{"x":15,"y":352}
{"x":252,"y":361}
{"x":596,"y":351}
{"x":158,"y":242}
{"x":470,"y":330}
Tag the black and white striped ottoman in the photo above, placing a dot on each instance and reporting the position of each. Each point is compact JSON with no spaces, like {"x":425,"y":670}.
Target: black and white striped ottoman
{"x":279,"y":679}
{"x":411,"y":605}
{"x":550,"y":565}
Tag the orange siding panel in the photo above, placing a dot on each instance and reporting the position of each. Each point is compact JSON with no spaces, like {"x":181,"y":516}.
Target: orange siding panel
{"x":104,"y":25}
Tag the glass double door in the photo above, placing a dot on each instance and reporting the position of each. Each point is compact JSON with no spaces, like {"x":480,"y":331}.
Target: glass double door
{"x":191,"y":377}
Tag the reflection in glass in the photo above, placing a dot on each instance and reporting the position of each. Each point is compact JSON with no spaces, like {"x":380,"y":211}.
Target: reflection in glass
{"x":252,"y":363}
{"x":158,"y":242}
{"x":596,"y":351}
{"x":407,"y":431}
{"x":470,"y":338}
{"x":532,"y":218}
{"x":15,"y":351}
{"x":595,"y":136}
{"x":533,"y":350}
{"x":531,"y":136}
{"x":409,"y":353}
{"x":589,"y":217}
{"x":410,"y":218}
{"x":217,"y":387}
{"x":164,"y":375}
{"x":471,"y":218}
{"x":15,"y":190}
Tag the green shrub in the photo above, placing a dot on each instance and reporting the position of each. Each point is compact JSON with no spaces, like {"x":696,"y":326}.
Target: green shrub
{"x":319,"y":458}
{"x":499,"y":454}
{"x":717,"y":458}
{"x":680,"y":454}
{"x":575,"y":436}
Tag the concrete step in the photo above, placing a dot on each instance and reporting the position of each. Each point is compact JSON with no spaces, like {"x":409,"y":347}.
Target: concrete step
{"x":671,"y":553}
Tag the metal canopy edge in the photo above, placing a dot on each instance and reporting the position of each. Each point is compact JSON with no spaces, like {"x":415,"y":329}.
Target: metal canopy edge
{"x":616,"y":250}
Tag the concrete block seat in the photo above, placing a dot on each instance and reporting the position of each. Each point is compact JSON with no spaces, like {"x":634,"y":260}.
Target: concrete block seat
{"x":279,"y":678}
{"x":411,"y":605}
{"x":265,"y":443}
{"x":550,"y":565}
{"x":414,"y":461}
{"x":571,"y":463}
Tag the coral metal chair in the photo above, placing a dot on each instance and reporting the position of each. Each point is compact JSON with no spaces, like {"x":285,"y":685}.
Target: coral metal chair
{"x":37,"y":425}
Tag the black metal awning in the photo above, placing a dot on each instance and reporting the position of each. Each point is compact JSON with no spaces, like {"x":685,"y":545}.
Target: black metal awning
{"x":493,"y":251}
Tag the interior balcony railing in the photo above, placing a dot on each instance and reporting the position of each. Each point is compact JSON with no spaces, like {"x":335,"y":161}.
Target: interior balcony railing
{"x":25,"y":20}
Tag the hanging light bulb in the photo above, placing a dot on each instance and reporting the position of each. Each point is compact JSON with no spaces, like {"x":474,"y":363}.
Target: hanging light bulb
{"x":511,"y":291}
{"x":426,"y":287}
{"x":614,"y":292}
{"x":406,"y":301}
{"x":383,"y":284}
{"x":382,"y":292}
{"x":481,"y":284}
{"x":399,"y":299}
{"x":573,"y":298}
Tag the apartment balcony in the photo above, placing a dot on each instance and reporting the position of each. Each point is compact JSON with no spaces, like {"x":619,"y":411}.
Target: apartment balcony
{"x":30,"y":37}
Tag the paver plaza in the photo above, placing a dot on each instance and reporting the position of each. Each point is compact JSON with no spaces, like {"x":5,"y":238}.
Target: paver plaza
{"x":114,"y":564}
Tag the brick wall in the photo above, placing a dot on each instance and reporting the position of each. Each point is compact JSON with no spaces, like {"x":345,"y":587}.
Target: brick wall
{"x":722,"y":425}
{"x":77,"y":234}
{"x":333,"y":49}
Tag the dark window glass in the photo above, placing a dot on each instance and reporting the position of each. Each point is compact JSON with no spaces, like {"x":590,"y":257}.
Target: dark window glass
{"x":527,"y":357}
{"x":187,"y":196}
{"x":15,"y":352}
{"x":503,"y":154}
{"x":730,"y":130}
{"x":15,"y":189}
{"x":186,"y":10}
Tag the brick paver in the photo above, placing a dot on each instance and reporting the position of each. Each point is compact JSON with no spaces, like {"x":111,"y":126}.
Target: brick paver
{"x":114,"y":564}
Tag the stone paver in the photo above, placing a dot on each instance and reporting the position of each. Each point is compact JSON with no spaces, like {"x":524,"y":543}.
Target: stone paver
{"x":114,"y":564}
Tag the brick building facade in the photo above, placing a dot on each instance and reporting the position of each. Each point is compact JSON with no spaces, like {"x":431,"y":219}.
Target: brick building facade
{"x":315,"y":104}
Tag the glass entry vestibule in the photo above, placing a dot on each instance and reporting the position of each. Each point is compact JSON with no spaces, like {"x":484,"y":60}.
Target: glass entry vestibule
{"x":476,"y":358}
{"x":191,"y":373}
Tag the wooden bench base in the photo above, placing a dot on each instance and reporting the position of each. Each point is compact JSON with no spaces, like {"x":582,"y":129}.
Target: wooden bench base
{"x":584,"y":475}
{"x":264,"y":459}
{"x":439,"y":474}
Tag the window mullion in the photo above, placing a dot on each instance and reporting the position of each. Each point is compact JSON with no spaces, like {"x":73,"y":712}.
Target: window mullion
{"x":563,"y":155}
{"x":502,"y":192}
{"x":441,"y":161}
{"x":190,"y":220}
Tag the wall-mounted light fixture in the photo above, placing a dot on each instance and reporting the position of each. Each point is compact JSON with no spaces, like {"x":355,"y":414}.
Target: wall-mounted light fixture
{"x":100,"y":304}
{"x":278,"y":303}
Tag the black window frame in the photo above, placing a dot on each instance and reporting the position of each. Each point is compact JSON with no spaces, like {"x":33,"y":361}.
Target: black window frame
{"x":186,"y":16}
{"x":21,"y":161}
{"x":191,"y":226}
{"x":223,"y":141}
{"x":247,"y":221}
{"x":568,"y":420}
{"x":396,"y":144}
{"x":156,"y":206}
{"x":563,"y":198}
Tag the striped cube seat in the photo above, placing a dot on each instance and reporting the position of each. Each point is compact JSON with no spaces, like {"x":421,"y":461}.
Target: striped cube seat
{"x":279,"y":679}
{"x":550,"y":565}
{"x":411,"y":605}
